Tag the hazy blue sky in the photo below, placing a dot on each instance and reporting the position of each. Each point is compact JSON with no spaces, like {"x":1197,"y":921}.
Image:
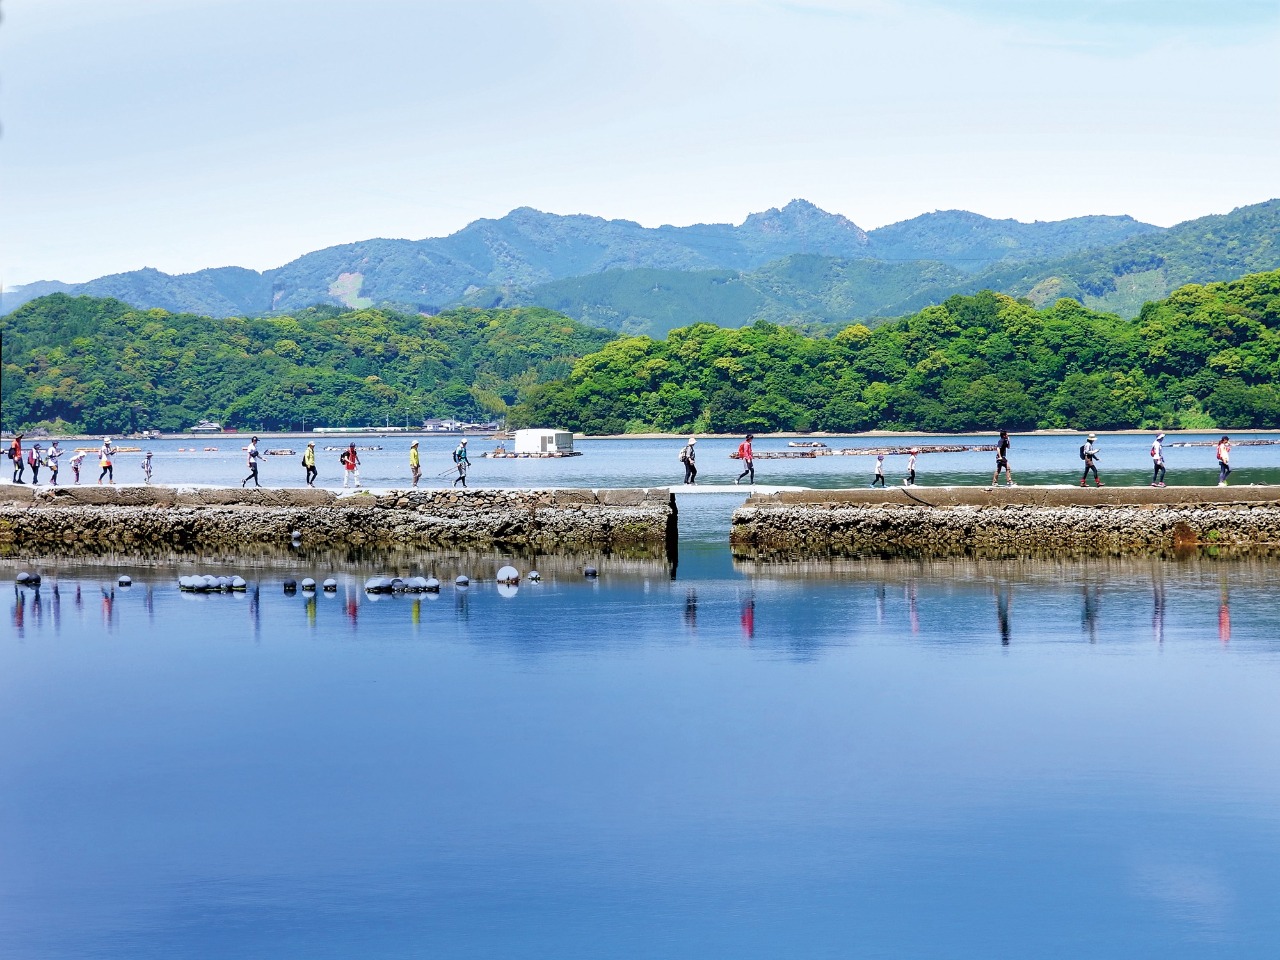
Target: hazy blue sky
{"x":183,"y":134}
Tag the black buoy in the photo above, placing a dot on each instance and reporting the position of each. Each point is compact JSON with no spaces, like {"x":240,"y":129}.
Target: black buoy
{"x":590,"y":572}
{"x":291,"y":586}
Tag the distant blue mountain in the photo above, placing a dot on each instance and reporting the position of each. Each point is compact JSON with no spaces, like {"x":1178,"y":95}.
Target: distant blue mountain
{"x":527,"y":248}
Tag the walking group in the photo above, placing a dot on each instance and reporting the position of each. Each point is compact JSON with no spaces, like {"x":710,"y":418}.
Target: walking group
{"x":38,"y":458}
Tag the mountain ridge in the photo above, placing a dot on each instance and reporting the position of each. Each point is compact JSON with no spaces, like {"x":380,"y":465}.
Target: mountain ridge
{"x":528,"y":247}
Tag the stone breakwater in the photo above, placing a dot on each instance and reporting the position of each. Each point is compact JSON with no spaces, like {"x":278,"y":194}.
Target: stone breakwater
{"x":1007,"y":520}
{"x":87,"y":519}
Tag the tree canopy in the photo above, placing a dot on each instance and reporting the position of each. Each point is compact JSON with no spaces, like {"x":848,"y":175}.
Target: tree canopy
{"x":1205,"y":356}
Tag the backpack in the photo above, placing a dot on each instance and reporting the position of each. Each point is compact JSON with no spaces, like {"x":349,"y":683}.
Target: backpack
{"x":342,"y":458}
{"x":31,"y":458}
{"x":1082,"y":456}
{"x":9,"y":453}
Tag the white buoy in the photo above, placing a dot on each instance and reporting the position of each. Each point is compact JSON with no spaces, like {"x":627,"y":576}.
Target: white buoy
{"x":535,"y":576}
{"x":308,"y":583}
{"x":330,"y":585}
{"x":508,"y":574}
{"x":462,"y":581}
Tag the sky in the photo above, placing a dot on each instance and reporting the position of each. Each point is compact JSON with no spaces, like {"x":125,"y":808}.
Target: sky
{"x":184,"y":134}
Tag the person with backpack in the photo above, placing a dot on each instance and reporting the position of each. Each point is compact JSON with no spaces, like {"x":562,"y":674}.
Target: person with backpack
{"x":34,"y":461}
{"x":689,"y":457}
{"x":1089,"y":454}
{"x":350,"y":461}
{"x":251,"y":461}
{"x":1224,"y":460}
{"x":1157,"y":461}
{"x":309,"y":463}
{"x":1002,"y":460}
{"x":15,"y":454}
{"x":748,"y":459}
{"x":415,"y":463}
{"x":461,"y":462}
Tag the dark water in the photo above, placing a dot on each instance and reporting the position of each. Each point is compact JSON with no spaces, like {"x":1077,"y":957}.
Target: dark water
{"x":808,"y":759}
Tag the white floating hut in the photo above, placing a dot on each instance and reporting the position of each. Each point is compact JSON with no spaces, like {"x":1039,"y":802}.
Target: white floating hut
{"x":544,"y":443}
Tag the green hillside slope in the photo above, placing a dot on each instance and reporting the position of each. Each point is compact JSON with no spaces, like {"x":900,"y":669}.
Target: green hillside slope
{"x":1204,"y":356}
{"x":81,"y":364}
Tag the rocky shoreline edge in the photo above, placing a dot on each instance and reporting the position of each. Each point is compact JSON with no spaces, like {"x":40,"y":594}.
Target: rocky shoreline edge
{"x":80,"y":519}
{"x":1007,"y":520}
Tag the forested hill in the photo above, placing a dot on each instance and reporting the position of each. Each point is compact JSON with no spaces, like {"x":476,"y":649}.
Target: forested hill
{"x":809,"y":289}
{"x":1205,"y":356}
{"x":526,"y":248}
{"x":80,"y":364}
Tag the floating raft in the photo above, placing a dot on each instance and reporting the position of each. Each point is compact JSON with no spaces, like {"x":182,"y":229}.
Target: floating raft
{"x":114,"y":449}
{"x":1214,"y":443}
{"x":810,"y":453}
{"x":507,"y":455}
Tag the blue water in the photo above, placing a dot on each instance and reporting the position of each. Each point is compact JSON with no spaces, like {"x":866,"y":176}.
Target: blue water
{"x":630,"y":462}
{"x":851,"y":758}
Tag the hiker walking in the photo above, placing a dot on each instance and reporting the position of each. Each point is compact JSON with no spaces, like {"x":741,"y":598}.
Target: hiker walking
{"x":1002,"y":460}
{"x":1224,"y":460}
{"x":879,"y":474}
{"x":1157,"y":461}
{"x":350,"y":461}
{"x":1089,"y":454}
{"x":34,"y":461}
{"x":77,"y":458}
{"x":15,"y":454}
{"x":51,"y":458}
{"x":146,"y":467}
{"x":911,"y":467}
{"x":461,"y":461}
{"x":689,"y":456}
{"x":748,"y":460}
{"x":309,"y":463}
{"x":251,"y":459}
{"x":105,"y":453}
{"x":415,"y":464}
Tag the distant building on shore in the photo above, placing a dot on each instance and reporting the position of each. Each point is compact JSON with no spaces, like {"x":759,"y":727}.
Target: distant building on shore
{"x":207,"y":426}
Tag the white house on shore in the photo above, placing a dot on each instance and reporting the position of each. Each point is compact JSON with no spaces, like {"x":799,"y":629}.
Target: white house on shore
{"x":549,"y":443}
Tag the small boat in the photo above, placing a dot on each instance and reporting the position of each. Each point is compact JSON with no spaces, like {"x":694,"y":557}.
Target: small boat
{"x":812,"y":444}
{"x":279,"y":453}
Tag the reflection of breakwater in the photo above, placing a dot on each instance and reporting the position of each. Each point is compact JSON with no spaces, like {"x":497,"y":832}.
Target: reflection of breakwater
{"x":269,"y":563}
{"x":1243,"y":567}
{"x":1006,"y":522}
{"x":96,"y":519}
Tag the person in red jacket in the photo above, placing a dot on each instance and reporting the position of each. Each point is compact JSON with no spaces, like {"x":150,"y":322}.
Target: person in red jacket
{"x":748,"y":460}
{"x":15,"y":454}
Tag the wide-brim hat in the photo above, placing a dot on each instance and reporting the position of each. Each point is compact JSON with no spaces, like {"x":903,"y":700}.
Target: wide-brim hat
{"x":464,"y":439}
{"x":414,"y":444}
{"x":1159,"y":436}
{"x":693,"y":439}
{"x":1092,"y":437}
{"x":311,"y":443}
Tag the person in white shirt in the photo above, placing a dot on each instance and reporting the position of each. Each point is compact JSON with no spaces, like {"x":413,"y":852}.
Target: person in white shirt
{"x":1157,"y":461}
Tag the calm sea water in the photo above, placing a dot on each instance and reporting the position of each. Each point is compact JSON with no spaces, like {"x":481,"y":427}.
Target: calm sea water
{"x":813,"y":759}
{"x":636,"y":462}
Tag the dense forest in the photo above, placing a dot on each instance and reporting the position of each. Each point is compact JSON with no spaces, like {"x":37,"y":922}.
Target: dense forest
{"x":1205,"y":356}
{"x":77,"y":364}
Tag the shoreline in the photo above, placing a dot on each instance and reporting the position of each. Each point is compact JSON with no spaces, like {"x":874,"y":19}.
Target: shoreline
{"x":780,"y":435}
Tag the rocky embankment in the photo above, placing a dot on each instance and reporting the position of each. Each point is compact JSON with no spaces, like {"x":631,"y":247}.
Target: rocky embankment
{"x":86,"y":519}
{"x":1007,"y":520}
